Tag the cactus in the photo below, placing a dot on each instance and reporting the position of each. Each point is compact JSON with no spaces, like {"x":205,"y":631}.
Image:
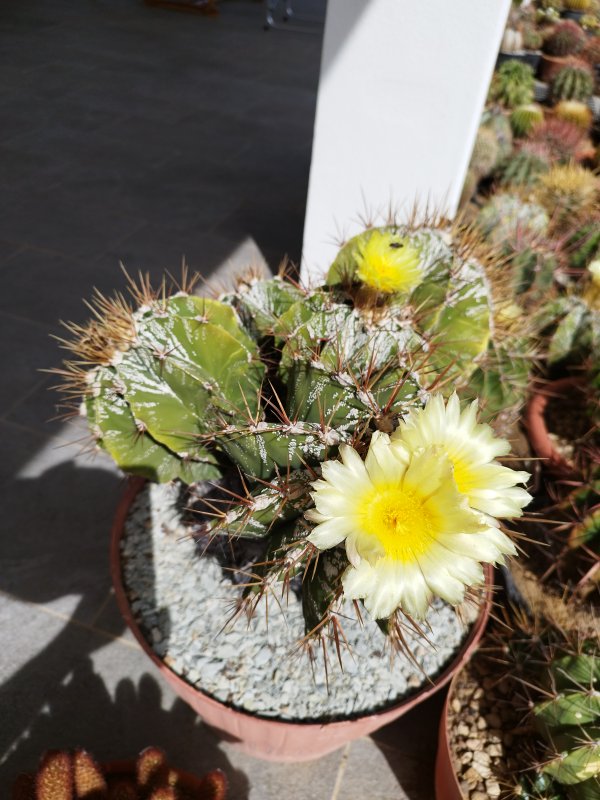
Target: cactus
{"x":512,"y":41}
{"x":497,"y":122}
{"x":572,"y":323}
{"x":513,"y":84}
{"x":525,"y":118}
{"x":591,"y":24}
{"x":574,"y":82}
{"x":485,"y":153}
{"x":567,"y":192}
{"x":269,"y":380}
{"x":564,"y":39}
{"x":63,"y":775}
{"x":569,"y":722}
{"x":523,"y":169}
{"x":576,"y":112}
{"x":582,"y":246}
{"x":532,"y":38}
{"x":506,"y":218}
{"x":557,"y":140}
{"x":591,"y":51}
{"x":578,"y":5}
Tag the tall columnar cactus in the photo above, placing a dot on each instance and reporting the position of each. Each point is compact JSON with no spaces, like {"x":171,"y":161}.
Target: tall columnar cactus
{"x":575,"y":82}
{"x":564,"y":39}
{"x":513,"y":84}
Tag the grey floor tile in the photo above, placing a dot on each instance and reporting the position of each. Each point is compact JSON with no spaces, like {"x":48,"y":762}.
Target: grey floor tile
{"x":25,"y":349}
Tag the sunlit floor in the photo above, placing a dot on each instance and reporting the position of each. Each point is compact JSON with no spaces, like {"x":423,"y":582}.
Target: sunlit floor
{"x":137,"y":135}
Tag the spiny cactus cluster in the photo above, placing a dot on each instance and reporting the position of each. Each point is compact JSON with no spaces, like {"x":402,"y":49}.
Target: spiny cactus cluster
{"x":65,"y":775}
{"x":269,"y":380}
{"x":569,"y":722}
{"x":513,"y":84}
{"x":574,"y":82}
{"x":564,"y":39}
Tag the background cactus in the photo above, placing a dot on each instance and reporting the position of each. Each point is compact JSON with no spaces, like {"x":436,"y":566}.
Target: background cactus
{"x":524,"y":118}
{"x":513,"y":84}
{"x":576,"y":112}
{"x":567,"y":191}
{"x":591,"y":51}
{"x":496,"y":121}
{"x":485,"y":152}
{"x":557,"y":140}
{"x":578,"y":5}
{"x":63,"y":775}
{"x":564,"y":39}
{"x":523,"y":169}
{"x":575,"y":82}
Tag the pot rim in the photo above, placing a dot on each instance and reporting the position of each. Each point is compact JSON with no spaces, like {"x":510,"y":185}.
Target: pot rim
{"x":135,"y":484}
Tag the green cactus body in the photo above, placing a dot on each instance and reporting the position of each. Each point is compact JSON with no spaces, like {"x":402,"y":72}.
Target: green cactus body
{"x":506,"y":218}
{"x":572,"y":83}
{"x":498,"y":123}
{"x":523,"y":169}
{"x":570,"y":724}
{"x":485,"y":152}
{"x":513,"y":84}
{"x":524,"y":118}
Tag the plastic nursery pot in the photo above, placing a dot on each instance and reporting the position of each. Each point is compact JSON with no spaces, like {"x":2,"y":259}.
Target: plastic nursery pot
{"x":537,"y":430}
{"x":271,"y":739}
{"x":531,"y":57}
{"x":214,"y":783}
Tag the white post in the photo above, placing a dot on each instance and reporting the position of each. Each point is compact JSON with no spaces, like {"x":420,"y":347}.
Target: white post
{"x":402,"y":87}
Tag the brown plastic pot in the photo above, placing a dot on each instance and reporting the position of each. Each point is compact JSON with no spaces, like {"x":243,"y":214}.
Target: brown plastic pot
{"x":211,"y":786}
{"x":271,"y":739}
{"x":537,"y":430}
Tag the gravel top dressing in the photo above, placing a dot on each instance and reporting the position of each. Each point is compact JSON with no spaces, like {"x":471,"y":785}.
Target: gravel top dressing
{"x":182,"y":603}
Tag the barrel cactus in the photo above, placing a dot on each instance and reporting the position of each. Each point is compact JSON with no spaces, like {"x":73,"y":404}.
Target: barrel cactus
{"x":523,"y":169}
{"x":269,"y":383}
{"x":557,"y":140}
{"x":525,"y":118}
{"x":576,"y":112}
{"x":497,"y":121}
{"x":574,"y":82}
{"x":578,"y":5}
{"x":567,"y":192}
{"x":564,"y":39}
{"x":513,"y":84}
{"x":485,"y":152}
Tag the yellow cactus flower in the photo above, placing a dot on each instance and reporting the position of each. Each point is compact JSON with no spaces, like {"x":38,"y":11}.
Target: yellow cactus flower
{"x":410,"y":533}
{"x":472,"y":448}
{"x":389,"y":263}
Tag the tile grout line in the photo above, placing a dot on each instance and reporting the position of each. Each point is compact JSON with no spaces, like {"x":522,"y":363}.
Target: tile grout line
{"x":340,"y":773}
{"x":103,"y":605}
{"x":70,"y":621}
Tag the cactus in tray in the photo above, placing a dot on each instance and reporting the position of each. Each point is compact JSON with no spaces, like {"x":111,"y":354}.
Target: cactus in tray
{"x":65,"y":775}
{"x":573,"y":82}
{"x":523,"y":169}
{"x":495,"y":120}
{"x":525,"y":118}
{"x":574,"y":111}
{"x":270,"y":384}
{"x":567,"y":192}
{"x":564,"y":39}
{"x":513,"y":84}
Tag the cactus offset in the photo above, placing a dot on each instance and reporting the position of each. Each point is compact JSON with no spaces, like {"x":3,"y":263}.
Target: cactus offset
{"x":574,"y":82}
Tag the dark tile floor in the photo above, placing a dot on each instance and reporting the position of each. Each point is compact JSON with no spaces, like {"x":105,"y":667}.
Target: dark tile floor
{"x":138,"y":135}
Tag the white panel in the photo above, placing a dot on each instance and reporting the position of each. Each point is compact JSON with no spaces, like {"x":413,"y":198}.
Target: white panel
{"x":402,"y":86}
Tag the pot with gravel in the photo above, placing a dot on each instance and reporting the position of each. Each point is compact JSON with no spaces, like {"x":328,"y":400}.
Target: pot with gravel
{"x":306,"y":442}
{"x":521,"y":719}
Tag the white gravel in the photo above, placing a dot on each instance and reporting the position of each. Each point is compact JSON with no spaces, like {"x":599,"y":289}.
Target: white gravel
{"x":182,"y":603}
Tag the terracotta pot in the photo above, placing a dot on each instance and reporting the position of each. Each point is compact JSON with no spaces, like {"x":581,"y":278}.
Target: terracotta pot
{"x":537,"y":430}
{"x":212,"y":784}
{"x":549,"y":65}
{"x":271,"y":739}
{"x":447,"y":786}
